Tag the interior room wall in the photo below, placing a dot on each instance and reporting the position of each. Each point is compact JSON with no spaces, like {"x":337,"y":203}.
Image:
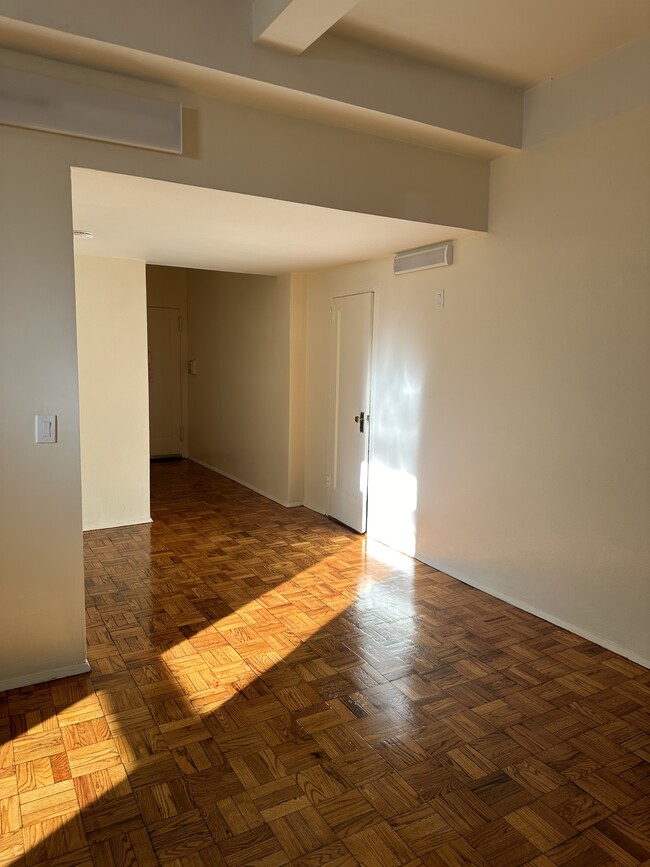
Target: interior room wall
{"x":42,"y":632}
{"x":510,"y":429}
{"x":297,"y":369}
{"x":239,"y":399}
{"x":113,"y":391}
{"x":167,"y":287}
{"x":40,"y":487}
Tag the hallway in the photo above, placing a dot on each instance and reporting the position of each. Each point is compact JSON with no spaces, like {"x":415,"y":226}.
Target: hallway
{"x":269,"y":687}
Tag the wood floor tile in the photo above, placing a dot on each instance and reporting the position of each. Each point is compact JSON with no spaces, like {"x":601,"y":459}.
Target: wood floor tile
{"x":179,"y":836}
{"x":108,"y":818}
{"x":502,"y":845}
{"x":48,"y":802}
{"x":54,"y":838}
{"x":259,"y":846}
{"x":628,"y":835}
{"x":269,"y":687}
{"x":464,"y":811}
{"x":279,"y":798}
{"x":535,"y":776}
{"x":391,"y":795}
{"x":38,"y":745}
{"x":336,"y":855}
{"x":125,"y":849}
{"x":302,"y":832}
{"x":541,"y":826}
{"x":576,"y":806}
{"x":458,"y":853}
{"x":94,"y":757}
{"x":379,"y":846}
{"x":349,"y":813}
{"x":431,"y":779}
{"x":500,"y":792}
{"x":423,"y":829}
{"x":581,"y":852}
{"x":323,"y":781}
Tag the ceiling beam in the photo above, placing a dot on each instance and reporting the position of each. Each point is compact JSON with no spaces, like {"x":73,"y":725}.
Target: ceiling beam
{"x":293,"y":25}
{"x":336,"y":82}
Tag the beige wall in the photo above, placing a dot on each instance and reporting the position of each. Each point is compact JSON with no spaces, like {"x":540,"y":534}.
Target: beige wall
{"x":40,"y":487}
{"x":215,"y":44}
{"x":550,"y":358}
{"x":42,"y":630}
{"x":245,"y":406}
{"x":510,"y":430}
{"x":297,"y":361}
{"x":240,"y":398}
{"x":167,"y":287}
{"x":320,"y":165}
{"x":113,"y":391}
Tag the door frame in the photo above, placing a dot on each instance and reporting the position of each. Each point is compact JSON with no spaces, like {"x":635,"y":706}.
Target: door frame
{"x":372,"y":290}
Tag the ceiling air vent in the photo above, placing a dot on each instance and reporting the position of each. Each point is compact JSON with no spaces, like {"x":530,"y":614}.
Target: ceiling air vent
{"x":420,"y":258}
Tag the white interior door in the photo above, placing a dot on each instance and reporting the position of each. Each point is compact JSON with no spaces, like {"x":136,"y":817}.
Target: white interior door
{"x":350,"y":367}
{"x":165,"y":405}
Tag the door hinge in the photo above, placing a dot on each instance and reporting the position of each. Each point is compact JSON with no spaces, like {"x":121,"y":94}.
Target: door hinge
{"x":327,"y":481}
{"x":182,"y":433}
{"x":180,"y":324}
{"x":331,"y":315}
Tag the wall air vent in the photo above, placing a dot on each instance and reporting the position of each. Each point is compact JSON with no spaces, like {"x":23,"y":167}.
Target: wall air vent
{"x":34,"y":101}
{"x":421,"y":258}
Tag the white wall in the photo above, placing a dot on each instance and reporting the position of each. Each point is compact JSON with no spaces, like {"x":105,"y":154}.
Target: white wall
{"x":240,"y":398}
{"x":113,"y":391}
{"x":516,"y":420}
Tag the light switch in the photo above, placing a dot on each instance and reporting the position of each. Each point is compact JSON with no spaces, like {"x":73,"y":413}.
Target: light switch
{"x":45,"y":428}
{"x":440,"y":299}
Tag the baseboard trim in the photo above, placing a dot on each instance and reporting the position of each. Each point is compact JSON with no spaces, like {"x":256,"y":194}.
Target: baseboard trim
{"x":102,"y":526}
{"x":45,"y":675}
{"x":285,"y":503}
{"x":632,"y":655}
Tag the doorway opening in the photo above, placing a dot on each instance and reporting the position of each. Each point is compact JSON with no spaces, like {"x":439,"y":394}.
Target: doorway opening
{"x":242,"y":410}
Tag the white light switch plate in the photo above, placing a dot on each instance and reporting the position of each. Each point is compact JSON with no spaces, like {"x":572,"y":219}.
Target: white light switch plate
{"x":440,"y":299}
{"x":45,"y":428}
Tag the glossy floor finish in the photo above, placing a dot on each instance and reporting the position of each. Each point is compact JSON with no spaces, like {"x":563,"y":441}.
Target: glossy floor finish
{"x":270,"y":688}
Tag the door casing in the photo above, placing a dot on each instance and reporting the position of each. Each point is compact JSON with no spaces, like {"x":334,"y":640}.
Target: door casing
{"x":350,"y":394}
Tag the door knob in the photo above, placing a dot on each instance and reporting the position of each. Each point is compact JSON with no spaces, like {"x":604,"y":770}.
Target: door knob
{"x":360,"y":420}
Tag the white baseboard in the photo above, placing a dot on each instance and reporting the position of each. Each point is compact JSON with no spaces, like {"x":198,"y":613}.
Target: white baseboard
{"x":532,"y":609}
{"x":103,"y":526}
{"x":244,"y":484}
{"x":45,"y":675}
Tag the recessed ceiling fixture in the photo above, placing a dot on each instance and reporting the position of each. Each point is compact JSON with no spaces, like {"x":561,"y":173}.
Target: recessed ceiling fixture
{"x":79,"y":233}
{"x":431,"y":256}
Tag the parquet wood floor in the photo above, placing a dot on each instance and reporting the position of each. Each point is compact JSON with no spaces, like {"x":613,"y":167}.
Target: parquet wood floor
{"x":269,"y":688}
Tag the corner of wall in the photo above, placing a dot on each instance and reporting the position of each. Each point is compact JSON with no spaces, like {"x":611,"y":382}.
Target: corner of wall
{"x":297,"y":371}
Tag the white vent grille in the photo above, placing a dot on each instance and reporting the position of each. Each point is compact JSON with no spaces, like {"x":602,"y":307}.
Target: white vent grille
{"x":35,"y":101}
{"x":420,"y":258}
